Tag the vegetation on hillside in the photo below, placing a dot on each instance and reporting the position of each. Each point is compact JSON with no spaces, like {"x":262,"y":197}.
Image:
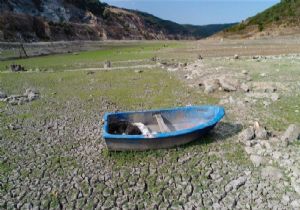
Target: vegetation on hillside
{"x":287,"y":11}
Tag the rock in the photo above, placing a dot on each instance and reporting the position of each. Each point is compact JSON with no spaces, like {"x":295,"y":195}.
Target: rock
{"x":236,"y":56}
{"x":244,"y":72}
{"x":30,"y":90}
{"x":211,"y":85}
{"x":32,"y":94}
{"x":247,"y":134}
{"x":263,"y":74}
{"x":2,"y":95}
{"x":261,"y":133}
{"x":107,"y":64}
{"x":292,"y":133}
{"x":249,"y":150}
{"x":200,"y":57}
{"x":138,"y":71}
{"x":228,"y":84}
{"x":272,"y":173}
{"x":245,"y":87}
{"x":256,"y":160}
{"x":275,"y":97}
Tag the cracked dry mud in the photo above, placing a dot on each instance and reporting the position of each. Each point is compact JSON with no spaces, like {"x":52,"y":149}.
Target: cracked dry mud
{"x":58,"y":160}
{"x":63,"y":164}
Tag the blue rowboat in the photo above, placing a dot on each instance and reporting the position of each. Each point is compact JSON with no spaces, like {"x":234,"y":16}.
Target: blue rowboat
{"x":157,"y":129}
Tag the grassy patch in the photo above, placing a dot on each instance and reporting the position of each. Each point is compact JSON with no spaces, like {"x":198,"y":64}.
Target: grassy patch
{"x":93,"y":58}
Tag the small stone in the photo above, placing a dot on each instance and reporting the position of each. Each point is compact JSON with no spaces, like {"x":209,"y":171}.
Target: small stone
{"x":247,"y":134}
{"x":138,"y":71}
{"x":236,"y":56}
{"x":292,"y":133}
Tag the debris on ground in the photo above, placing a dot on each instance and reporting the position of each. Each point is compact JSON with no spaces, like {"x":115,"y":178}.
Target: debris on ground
{"x":29,"y":95}
{"x":122,"y":127}
{"x":17,"y":68}
{"x":107,"y":64}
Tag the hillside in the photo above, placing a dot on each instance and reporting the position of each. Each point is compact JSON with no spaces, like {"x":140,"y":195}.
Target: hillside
{"x":281,"y":19}
{"x":43,"y":20}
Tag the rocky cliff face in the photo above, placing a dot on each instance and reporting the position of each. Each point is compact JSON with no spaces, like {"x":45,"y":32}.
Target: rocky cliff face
{"x":51,"y":20}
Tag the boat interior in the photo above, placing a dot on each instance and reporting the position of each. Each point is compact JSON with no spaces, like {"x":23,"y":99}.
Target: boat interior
{"x":159,"y":121}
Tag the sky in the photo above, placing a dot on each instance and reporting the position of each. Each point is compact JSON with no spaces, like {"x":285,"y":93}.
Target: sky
{"x":197,"y":12}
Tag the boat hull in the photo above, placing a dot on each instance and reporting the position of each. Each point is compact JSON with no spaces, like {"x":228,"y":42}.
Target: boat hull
{"x":116,"y":144}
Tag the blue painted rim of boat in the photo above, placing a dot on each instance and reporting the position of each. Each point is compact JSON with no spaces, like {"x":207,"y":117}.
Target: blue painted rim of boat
{"x":220,"y":112}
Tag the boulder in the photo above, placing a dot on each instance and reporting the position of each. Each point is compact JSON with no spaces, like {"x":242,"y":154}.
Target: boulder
{"x":261,"y":133}
{"x":292,"y":133}
{"x":247,"y":134}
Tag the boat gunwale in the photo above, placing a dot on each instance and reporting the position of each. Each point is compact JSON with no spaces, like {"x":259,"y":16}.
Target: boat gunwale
{"x":219,"y":114}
